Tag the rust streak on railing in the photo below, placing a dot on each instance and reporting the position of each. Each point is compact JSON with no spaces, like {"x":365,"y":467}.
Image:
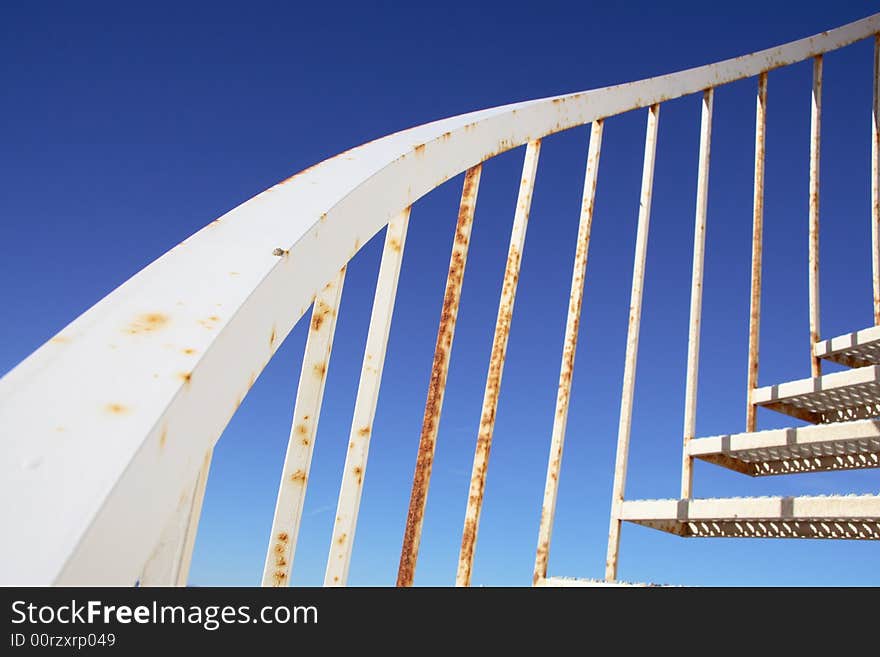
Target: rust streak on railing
{"x":757,"y":243}
{"x":815,"y":132}
{"x":496,"y":365}
{"x":566,"y":372}
{"x":437,"y":386}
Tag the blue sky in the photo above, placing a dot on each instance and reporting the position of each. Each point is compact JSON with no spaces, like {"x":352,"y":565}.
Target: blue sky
{"x":126,"y":128}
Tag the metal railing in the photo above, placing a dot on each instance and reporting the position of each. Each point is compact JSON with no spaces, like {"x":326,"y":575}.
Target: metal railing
{"x":143,"y":384}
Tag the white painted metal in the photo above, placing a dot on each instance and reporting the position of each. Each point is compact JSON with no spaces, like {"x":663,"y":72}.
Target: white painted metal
{"x":583,"y":583}
{"x":138,"y":388}
{"x":875,"y":181}
{"x":632,"y":344}
{"x":840,"y":446}
{"x":856,"y":349}
{"x":409,"y":552}
{"x":693,"y":362}
{"x":815,"y":133}
{"x":496,"y":365}
{"x":849,"y":395}
{"x":195,"y":514}
{"x":168,"y":565}
{"x":566,"y":370}
{"x":355,"y":469}
{"x":303,"y":429}
{"x":837,"y":516}
{"x":757,"y":247}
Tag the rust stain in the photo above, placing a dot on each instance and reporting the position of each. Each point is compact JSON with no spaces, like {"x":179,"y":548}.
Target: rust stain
{"x":116,"y":408}
{"x":419,"y":150}
{"x":306,"y":442}
{"x":468,"y":539}
{"x":359,"y":473}
{"x":299,"y":477}
{"x":320,"y":313}
{"x":395,"y":244}
{"x":147,"y":323}
{"x":319,"y":370}
{"x":283,"y":537}
{"x":272,"y":337}
{"x":186,"y":377}
{"x":364,"y":431}
{"x":209,"y":322}
{"x":437,"y":384}
{"x":351,"y":445}
{"x":163,"y":438}
{"x":60,"y":339}
{"x":342,"y":538}
{"x":279,"y":576}
{"x":278,"y":251}
{"x":493,"y":385}
{"x":302,"y":429}
{"x":189,"y":351}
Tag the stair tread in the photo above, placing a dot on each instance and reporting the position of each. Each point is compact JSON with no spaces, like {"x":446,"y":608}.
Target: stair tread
{"x":856,"y":349}
{"x":823,"y":447}
{"x":584,"y":582}
{"x":838,"y":397}
{"x":825,"y":516}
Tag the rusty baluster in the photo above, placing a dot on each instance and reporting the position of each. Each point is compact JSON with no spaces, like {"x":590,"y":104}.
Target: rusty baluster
{"x":437,"y":386}
{"x":496,"y":365}
{"x":693,"y":362}
{"x":355,"y":469}
{"x":815,"y":131}
{"x":875,"y":182}
{"x":298,"y":459}
{"x":566,"y":371}
{"x":632,"y":344}
{"x":757,"y":243}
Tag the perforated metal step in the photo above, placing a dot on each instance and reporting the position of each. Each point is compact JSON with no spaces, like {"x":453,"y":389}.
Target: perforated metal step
{"x":823,"y":447}
{"x":839,"y":397}
{"x":574,"y":581}
{"x":858,"y":349}
{"x":829,"y":517}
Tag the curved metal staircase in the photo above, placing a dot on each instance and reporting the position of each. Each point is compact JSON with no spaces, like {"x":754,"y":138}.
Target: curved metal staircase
{"x":108,"y":428}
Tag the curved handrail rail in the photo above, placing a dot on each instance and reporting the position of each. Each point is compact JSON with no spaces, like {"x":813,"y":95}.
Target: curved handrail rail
{"x":105,"y":424}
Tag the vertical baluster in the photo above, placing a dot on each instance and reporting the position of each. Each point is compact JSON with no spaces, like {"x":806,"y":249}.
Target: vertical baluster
{"x":566,"y":371}
{"x":195,"y":514}
{"x":355,"y":469}
{"x":168,"y":565}
{"x":815,"y":130}
{"x":437,"y":386}
{"x":693,"y":362}
{"x":298,"y":459}
{"x":875,"y":181}
{"x":496,"y":366}
{"x":757,"y":244}
{"x":632,"y":344}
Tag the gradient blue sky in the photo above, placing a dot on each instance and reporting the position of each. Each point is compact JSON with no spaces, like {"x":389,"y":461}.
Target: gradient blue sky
{"x":126,"y":128}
